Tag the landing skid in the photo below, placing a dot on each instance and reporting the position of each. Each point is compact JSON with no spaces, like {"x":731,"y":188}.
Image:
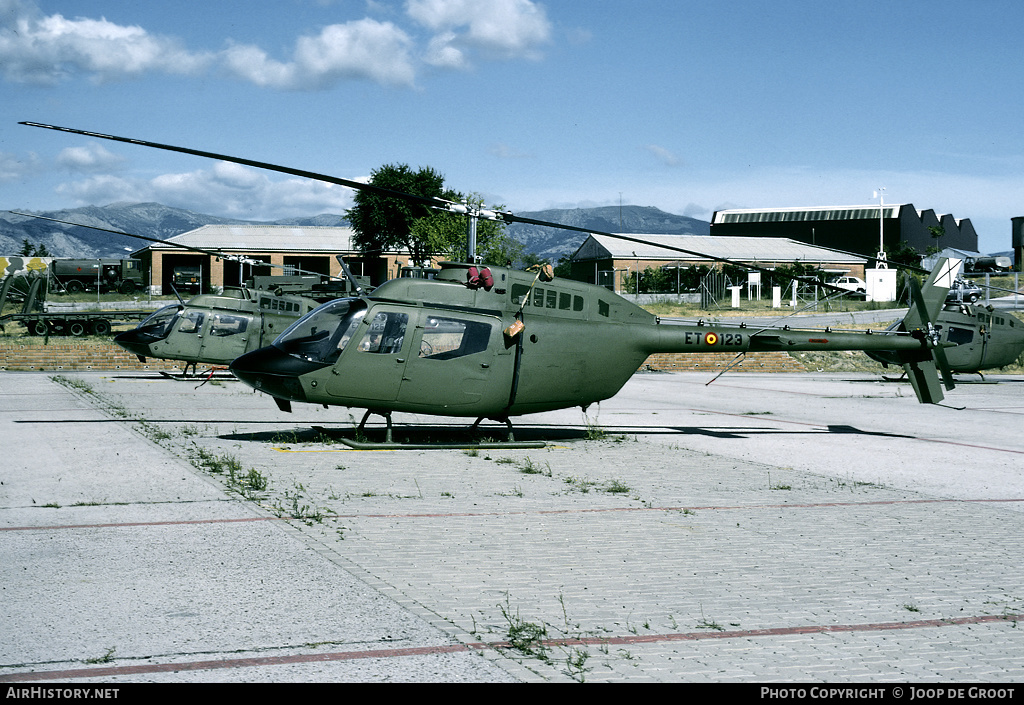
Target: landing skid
{"x":205,"y":375}
{"x":981,"y":380}
{"x":450,"y":443}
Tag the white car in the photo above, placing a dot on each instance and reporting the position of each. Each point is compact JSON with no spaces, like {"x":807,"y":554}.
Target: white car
{"x":854,"y":284}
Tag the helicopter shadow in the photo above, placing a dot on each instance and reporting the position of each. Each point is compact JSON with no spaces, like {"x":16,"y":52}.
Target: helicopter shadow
{"x":740,"y":433}
{"x":426,"y":435}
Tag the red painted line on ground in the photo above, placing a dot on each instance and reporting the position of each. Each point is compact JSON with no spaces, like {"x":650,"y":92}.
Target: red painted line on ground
{"x":538,"y":512}
{"x":138,"y":523}
{"x":259,"y":661}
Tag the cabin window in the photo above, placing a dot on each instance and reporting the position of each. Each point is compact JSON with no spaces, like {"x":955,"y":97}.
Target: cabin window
{"x":538,"y":298}
{"x":224,"y":325}
{"x":449,"y":338}
{"x":552,"y":300}
{"x":191,"y":322}
{"x":960,"y":336}
{"x":519,"y":291}
{"x":564,"y":302}
{"x":603,"y":308}
{"x":577,"y":303}
{"x":386,"y":333}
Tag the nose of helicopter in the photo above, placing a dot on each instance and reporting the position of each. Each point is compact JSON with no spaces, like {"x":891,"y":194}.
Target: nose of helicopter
{"x":134,"y":342}
{"x":273,"y":371}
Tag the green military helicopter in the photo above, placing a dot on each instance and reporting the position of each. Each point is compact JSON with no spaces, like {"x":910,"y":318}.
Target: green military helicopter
{"x":214,"y":329}
{"x":496,"y":343}
{"x":979,"y":338}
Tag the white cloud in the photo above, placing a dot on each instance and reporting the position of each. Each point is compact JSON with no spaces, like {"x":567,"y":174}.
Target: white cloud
{"x":38,"y":49}
{"x":500,"y":28}
{"x":663,"y":155}
{"x":49,"y":49}
{"x":365,"y":48}
{"x":225,"y":189}
{"x":90,"y":158}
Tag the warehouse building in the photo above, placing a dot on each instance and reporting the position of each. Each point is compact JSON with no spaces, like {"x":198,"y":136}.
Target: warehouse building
{"x":281,"y":249}
{"x":607,"y":261}
{"x":856,"y":229}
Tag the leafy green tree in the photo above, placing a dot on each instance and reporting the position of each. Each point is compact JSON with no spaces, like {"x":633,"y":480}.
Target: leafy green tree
{"x":384,"y":223}
{"x":937,"y":231}
{"x":903,"y":253}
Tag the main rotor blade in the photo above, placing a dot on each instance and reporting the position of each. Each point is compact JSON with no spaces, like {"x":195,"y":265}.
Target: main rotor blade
{"x":503,"y":216}
{"x":248,"y":162}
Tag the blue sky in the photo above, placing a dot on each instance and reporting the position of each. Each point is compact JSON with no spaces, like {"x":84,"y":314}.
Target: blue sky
{"x":686,"y":106}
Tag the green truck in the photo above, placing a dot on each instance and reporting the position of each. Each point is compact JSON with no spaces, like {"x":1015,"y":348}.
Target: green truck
{"x":74,"y":275}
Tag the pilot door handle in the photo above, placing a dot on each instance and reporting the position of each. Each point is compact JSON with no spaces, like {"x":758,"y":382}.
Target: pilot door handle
{"x":484,"y":365}
{"x":400,"y":360}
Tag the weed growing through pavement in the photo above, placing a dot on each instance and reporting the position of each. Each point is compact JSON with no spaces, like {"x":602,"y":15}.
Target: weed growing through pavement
{"x":525,"y":637}
{"x":105,"y":658}
{"x":528,"y":467}
{"x":294,"y":507}
{"x":705,"y":624}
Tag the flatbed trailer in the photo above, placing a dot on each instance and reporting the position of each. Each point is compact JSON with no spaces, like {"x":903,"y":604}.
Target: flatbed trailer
{"x":40,"y":321}
{"x":74,"y":323}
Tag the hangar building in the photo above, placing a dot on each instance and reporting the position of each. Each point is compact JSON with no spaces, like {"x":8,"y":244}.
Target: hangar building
{"x":292,"y":249}
{"x":606,"y":260}
{"x":850,"y":228}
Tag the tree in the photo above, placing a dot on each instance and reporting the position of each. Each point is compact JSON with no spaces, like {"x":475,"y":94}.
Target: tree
{"x":903,"y":253}
{"x":383,"y":223}
{"x":30,"y":250}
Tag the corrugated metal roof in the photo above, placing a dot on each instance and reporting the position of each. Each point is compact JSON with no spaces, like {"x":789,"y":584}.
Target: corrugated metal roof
{"x":802,"y":213}
{"x":265,"y":238}
{"x":748,"y":249}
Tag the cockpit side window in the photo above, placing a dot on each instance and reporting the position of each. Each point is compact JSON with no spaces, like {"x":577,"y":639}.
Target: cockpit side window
{"x":386,"y":334}
{"x":225,"y":324}
{"x":960,"y":336}
{"x":191,"y":322}
{"x":449,"y":338}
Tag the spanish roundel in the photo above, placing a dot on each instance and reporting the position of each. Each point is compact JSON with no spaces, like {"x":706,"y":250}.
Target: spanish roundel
{"x":711,"y":338}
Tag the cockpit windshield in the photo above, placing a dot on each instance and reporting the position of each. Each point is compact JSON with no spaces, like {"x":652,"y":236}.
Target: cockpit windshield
{"x":323,"y":333}
{"x":161,"y":323}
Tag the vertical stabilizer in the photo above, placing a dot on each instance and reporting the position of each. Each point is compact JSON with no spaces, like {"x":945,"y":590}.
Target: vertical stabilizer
{"x":923,"y":367}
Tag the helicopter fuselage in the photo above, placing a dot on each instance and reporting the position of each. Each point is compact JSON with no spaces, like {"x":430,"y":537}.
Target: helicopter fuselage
{"x":446,"y":346}
{"x":214,"y":329}
{"x":980,"y":338}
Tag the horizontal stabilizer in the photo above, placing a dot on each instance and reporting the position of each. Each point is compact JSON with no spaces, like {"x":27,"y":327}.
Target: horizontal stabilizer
{"x":925,"y":379}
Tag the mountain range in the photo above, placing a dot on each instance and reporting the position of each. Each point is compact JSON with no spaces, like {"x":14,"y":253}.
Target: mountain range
{"x":154,"y":220}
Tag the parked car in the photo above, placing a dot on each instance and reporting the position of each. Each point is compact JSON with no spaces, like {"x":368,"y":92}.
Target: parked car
{"x":852,"y":284}
{"x":964,"y":291}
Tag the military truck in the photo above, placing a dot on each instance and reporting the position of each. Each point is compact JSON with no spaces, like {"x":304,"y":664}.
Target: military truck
{"x":74,"y":275}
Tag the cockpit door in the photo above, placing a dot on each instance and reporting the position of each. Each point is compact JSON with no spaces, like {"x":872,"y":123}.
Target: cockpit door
{"x":372,"y":364}
{"x":227,"y":336}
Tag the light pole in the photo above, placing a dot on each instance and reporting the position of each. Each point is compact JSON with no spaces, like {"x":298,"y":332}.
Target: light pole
{"x":881,"y":264}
